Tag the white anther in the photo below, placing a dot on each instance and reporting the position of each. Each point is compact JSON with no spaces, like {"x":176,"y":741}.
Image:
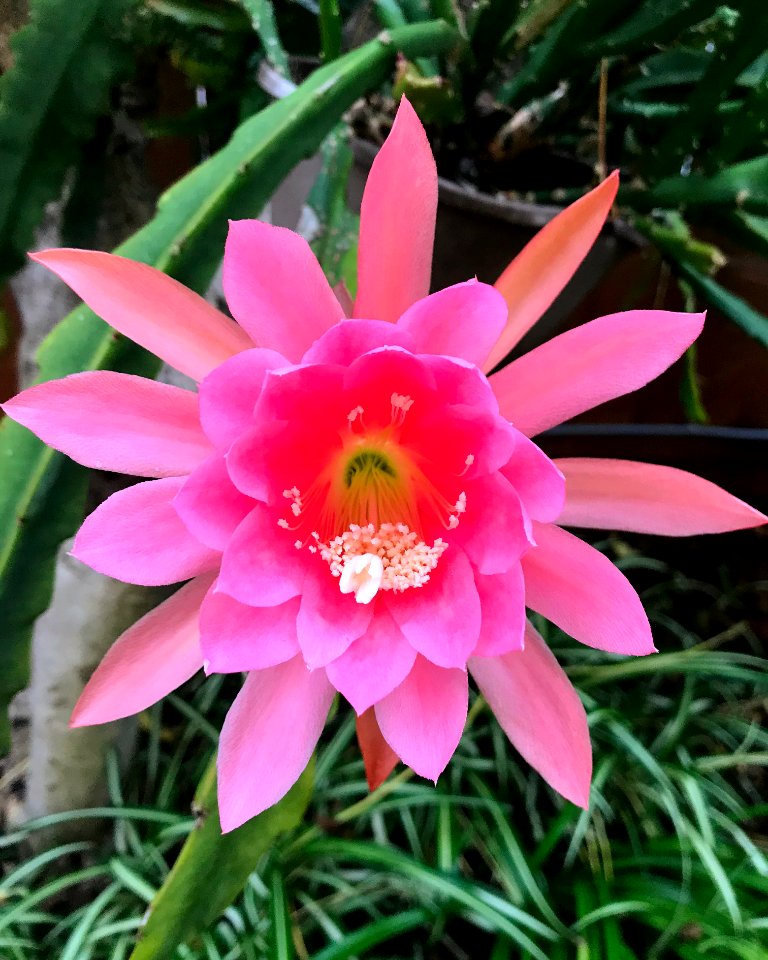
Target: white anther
{"x":354,"y":414}
{"x":362,"y":575}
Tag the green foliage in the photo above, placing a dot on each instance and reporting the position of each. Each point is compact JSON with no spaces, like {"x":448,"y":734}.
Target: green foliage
{"x":40,"y":495}
{"x":336,"y":228}
{"x":66,"y":62}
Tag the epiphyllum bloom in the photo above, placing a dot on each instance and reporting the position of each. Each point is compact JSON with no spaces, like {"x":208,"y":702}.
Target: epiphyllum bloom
{"x":356,"y":506}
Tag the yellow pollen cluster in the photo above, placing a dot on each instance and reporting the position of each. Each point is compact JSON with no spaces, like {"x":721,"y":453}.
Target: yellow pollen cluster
{"x":407,"y":561}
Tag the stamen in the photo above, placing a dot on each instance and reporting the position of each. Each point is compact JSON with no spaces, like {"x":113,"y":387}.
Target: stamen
{"x":355,"y":414}
{"x":401,"y":404}
{"x":467,"y":464}
{"x":406,"y":561}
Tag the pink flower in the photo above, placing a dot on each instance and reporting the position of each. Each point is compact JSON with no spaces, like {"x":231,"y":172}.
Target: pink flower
{"x":356,"y":506}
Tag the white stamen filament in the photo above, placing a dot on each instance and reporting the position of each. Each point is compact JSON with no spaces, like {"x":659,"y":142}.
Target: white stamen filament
{"x":362,"y":575}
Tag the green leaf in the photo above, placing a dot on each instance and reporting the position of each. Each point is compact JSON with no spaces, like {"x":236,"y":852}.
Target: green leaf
{"x":213,"y":868}
{"x":735,"y":52}
{"x":41,"y":493}
{"x":262,"y":15}
{"x":66,"y":61}
{"x":743,"y":185}
{"x":374,"y":934}
{"x":655,"y":21}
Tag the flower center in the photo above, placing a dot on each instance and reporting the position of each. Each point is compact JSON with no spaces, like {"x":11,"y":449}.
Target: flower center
{"x":364,"y":514}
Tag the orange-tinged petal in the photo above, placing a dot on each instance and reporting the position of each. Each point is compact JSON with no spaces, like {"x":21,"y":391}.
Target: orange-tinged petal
{"x":542,"y":269}
{"x":379,"y":758}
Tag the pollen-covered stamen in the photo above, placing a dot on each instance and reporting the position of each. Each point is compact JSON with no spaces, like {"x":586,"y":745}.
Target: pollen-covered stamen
{"x":406,"y":560}
{"x":401,"y":404}
{"x":356,"y":414}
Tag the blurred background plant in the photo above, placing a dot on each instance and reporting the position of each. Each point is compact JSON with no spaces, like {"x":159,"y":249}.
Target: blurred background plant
{"x":105,"y":104}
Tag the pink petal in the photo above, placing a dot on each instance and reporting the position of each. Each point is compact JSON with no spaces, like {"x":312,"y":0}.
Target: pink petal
{"x":461,"y":383}
{"x":229,"y":393}
{"x":463,"y":321}
{"x":598,"y":361}
{"x":537,"y":480}
{"x":492,"y":531}
{"x":580,"y":590}
{"x":502,"y":601}
{"x":397,"y":222}
{"x":210,"y":505}
{"x":351,"y":339}
{"x":423,"y":719}
{"x":542,"y":269}
{"x":151,"y":308}
{"x":137,"y":536}
{"x":261,"y":567}
{"x":379,"y":758}
{"x":329,"y":620}
{"x":644,"y":497}
{"x":373,"y":665}
{"x":268,"y":738}
{"x":441,"y":619}
{"x":275,"y":287}
{"x":541,"y":713}
{"x":111,"y":421}
{"x":154,"y":656}
{"x":235,"y":637}
{"x":446,"y":436}
{"x":371,"y":380}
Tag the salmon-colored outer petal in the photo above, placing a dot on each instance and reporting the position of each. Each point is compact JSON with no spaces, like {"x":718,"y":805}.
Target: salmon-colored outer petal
{"x":275,"y":287}
{"x":153,"y":657}
{"x":379,"y":758}
{"x":541,"y":713}
{"x":648,"y":498}
{"x":137,"y":536}
{"x":113,"y":421}
{"x":268,"y":738}
{"x":583,"y":593}
{"x":423,"y":719}
{"x":397,"y":222}
{"x":598,"y":361}
{"x":545,"y":265}
{"x":150,"y":308}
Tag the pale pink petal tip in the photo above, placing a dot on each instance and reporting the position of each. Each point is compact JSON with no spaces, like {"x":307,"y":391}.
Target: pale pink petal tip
{"x":268,"y":738}
{"x":423,"y":719}
{"x":582,"y":592}
{"x":153,"y":657}
{"x":541,"y":713}
{"x":647,"y":498}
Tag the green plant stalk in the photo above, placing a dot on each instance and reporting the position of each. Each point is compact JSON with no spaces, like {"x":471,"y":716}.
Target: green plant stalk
{"x":42,"y":494}
{"x":330,"y":30}
{"x":213,"y":868}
